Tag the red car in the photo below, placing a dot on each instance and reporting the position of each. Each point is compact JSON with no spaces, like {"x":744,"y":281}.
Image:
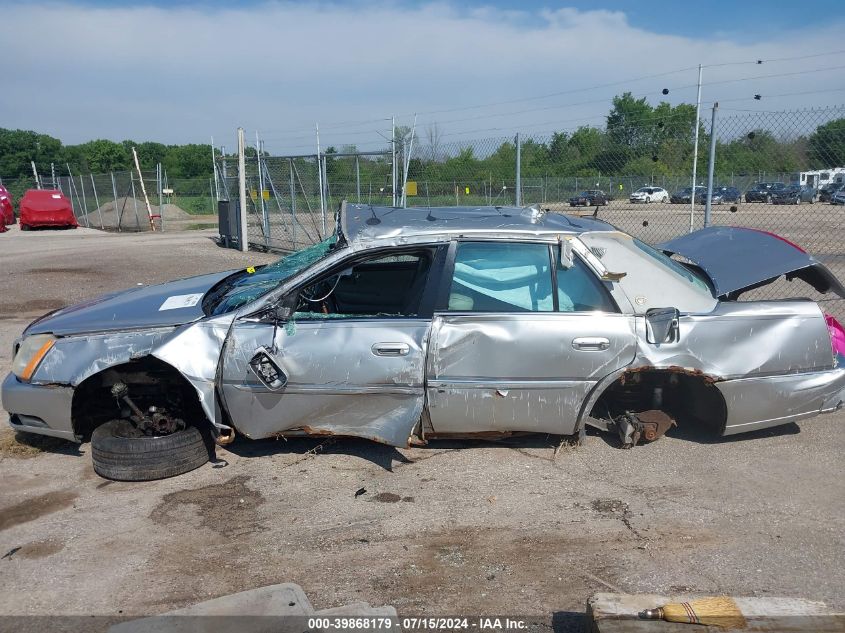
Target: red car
{"x":46,"y":207}
{"x":7,"y":212}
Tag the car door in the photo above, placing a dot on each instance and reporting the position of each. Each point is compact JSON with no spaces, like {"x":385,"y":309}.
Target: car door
{"x":518,"y":341}
{"x":351,"y":359}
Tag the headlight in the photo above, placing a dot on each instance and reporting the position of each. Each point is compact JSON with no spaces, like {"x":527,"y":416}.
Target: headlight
{"x":32,"y":351}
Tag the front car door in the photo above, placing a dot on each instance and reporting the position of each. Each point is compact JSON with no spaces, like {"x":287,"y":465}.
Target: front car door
{"x":519,"y":340}
{"x":351,"y":359}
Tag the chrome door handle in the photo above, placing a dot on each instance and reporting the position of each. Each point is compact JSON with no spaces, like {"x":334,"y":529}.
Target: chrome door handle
{"x":391,"y":349}
{"x":590,"y":343}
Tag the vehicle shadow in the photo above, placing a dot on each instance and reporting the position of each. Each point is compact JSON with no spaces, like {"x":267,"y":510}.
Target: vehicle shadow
{"x":28,"y":444}
{"x":386,"y":457}
{"x":569,"y":622}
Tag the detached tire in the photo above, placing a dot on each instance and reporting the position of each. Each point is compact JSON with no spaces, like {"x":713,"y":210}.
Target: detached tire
{"x":119,"y":451}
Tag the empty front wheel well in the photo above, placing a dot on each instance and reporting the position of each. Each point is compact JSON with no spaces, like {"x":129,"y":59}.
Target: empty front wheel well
{"x":691,"y":398}
{"x":151,"y":382}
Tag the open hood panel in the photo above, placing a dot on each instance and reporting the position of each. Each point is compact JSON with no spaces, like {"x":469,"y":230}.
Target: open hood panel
{"x":739,"y":259}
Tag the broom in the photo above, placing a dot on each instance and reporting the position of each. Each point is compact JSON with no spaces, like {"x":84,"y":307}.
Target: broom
{"x":719,"y":611}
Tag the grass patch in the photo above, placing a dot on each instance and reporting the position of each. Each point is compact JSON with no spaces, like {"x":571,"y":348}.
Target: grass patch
{"x":199,"y":226}
{"x":27,"y":445}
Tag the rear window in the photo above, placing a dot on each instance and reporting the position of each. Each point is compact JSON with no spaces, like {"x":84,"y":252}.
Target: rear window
{"x":675,"y":266}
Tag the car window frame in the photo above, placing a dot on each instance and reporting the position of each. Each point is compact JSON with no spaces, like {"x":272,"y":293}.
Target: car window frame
{"x":441,"y":305}
{"x":427,"y":299}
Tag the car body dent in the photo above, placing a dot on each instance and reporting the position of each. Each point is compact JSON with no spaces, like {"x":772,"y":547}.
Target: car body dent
{"x":382,"y":400}
{"x":337,"y":385}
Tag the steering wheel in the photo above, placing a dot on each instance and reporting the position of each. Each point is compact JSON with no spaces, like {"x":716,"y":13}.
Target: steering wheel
{"x":318,"y":296}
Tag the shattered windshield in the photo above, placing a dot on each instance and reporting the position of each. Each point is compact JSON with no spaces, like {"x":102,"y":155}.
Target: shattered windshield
{"x":245,"y":286}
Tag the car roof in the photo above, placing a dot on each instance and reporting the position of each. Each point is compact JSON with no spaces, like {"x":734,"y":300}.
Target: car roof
{"x":367,"y":222}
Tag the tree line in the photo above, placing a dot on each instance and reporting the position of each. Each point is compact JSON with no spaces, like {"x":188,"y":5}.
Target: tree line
{"x":637,"y":139}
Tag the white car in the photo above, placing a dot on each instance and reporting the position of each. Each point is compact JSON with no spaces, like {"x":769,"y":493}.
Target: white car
{"x":650,"y":194}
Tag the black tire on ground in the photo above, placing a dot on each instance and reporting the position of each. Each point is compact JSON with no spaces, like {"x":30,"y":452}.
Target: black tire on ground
{"x":24,"y":227}
{"x":119,"y":451}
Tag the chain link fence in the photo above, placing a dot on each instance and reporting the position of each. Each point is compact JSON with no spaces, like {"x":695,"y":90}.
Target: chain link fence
{"x":116,"y":202}
{"x":292,"y":199}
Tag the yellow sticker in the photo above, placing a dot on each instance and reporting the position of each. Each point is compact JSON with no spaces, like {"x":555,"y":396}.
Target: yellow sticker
{"x":250,"y":270}
{"x":466,"y":190}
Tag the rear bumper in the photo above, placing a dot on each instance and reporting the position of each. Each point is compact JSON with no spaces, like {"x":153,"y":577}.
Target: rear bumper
{"x":41,"y":409}
{"x":759,"y":403}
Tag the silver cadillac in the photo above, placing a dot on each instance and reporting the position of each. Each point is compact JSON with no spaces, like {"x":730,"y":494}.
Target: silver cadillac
{"x":410,"y":324}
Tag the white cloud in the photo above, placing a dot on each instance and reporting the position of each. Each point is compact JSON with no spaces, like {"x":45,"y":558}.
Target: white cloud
{"x":180,"y":75}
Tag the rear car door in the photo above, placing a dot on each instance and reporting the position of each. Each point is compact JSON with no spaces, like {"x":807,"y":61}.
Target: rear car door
{"x":351,"y":359}
{"x":518,"y":341}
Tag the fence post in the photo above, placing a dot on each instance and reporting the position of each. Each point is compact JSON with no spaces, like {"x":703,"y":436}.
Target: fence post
{"x":518,"y":199}
{"x":292,"y":202}
{"x":114,"y":193}
{"x":711,"y":166}
{"x":97,"y":202}
{"x":695,"y":152}
{"x":135,"y":202}
{"x":161,"y":198}
{"x":358,"y":177}
{"x":265,"y":219}
{"x":242,"y":238}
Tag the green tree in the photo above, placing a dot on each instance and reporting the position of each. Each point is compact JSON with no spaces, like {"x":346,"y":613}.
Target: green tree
{"x":101,"y":156}
{"x":629,"y":123}
{"x":826,"y":146}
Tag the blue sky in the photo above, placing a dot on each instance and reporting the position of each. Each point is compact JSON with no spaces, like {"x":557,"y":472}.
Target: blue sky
{"x":742,"y":18}
{"x":183,"y":72}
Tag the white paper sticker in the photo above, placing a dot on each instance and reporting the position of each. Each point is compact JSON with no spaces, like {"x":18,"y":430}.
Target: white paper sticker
{"x":56,"y":196}
{"x":180,"y":301}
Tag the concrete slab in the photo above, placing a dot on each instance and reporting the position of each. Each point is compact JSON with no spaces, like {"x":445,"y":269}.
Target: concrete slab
{"x":282,"y":608}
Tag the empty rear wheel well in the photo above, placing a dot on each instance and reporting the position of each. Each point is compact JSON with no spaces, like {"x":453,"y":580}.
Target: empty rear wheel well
{"x":151,"y":382}
{"x":688,"y":397}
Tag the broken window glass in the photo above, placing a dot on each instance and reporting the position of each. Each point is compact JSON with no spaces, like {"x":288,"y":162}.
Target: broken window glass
{"x":386,"y":286}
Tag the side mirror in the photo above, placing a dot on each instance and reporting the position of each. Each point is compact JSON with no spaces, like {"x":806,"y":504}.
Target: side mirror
{"x":283,"y":310}
{"x":662,"y":325}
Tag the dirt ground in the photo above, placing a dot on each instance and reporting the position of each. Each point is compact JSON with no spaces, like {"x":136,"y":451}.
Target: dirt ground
{"x":453,"y":528}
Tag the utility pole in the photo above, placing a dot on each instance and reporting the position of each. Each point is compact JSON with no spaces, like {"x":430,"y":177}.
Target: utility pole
{"x":695,"y":153}
{"x":242,"y":237}
{"x":711,"y":165}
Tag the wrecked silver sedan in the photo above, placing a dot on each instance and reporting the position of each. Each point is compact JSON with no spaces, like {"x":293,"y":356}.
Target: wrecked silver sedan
{"x":408,"y":324}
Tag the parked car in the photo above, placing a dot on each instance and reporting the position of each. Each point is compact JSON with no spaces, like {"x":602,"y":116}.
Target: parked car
{"x":794,"y":194}
{"x":7,"y":210}
{"x":46,"y":208}
{"x":593,"y":197}
{"x":434,"y":322}
{"x":650,"y":194}
{"x":720,"y":195}
{"x":827,"y":191}
{"x":838,"y":197}
{"x":684,"y":195}
{"x":762,"y":191}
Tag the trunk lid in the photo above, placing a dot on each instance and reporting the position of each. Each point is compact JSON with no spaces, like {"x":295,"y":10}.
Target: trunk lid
{"x":737,"y":259}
